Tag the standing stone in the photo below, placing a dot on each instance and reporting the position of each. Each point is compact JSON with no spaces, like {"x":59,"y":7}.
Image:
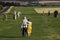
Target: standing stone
{"x":14,"y":15}
{"x":18,"y":14}
{"x":55,"y":13}
{"x":48,"y":13}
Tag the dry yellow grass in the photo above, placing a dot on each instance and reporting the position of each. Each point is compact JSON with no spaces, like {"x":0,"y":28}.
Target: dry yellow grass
{"x":45,"y":10}
{"x":54,"y":36}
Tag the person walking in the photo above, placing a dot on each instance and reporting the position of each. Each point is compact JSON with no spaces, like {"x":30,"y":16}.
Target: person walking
{"x":24,"y":26}
{"x":29,"y":28}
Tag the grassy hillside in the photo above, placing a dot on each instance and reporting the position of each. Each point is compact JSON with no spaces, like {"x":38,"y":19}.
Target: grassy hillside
{"x":44,"y":27}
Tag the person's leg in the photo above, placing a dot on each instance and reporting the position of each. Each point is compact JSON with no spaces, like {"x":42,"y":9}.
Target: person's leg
{"x":26,"y":31}
{"x":23,"y":32}
{"x":29,"y":34}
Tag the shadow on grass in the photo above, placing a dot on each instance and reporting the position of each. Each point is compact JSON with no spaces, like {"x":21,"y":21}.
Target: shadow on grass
{"x":10,"y":36}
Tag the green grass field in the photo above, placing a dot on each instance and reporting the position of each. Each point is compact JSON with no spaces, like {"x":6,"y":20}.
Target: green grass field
{"x":44,"y":27}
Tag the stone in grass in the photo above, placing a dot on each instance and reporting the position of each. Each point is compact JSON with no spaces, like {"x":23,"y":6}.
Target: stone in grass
{"x":55,"y":13}
{"x":14,"y":15}
{"x":48,"y":13}
{"x":18,"y":14}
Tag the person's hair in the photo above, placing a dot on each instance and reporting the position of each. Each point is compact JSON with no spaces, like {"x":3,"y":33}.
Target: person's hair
{"x":28,"y":19}
{"x":24,"y":17}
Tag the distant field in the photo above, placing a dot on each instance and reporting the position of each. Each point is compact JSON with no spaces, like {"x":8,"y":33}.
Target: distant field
{"x":44,"y":27}
{"x":45,"y":10}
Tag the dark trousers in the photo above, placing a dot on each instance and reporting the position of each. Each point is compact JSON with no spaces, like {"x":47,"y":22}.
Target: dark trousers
{"x":24,"y":32}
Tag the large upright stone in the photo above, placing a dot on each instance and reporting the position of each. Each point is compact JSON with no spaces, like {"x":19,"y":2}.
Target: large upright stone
{"x":18,"y":14}
{"x":55,"y":13}
{"x":48,"y":13}
{"x":14,"y":15}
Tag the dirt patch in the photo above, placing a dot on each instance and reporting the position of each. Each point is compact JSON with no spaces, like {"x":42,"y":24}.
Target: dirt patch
{"x":54,"y":36}
{"x":51,"y":34}
{"x":45,"y":10}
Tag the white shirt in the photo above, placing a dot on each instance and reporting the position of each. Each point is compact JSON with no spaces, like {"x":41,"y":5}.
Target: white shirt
{"x":24,"y":22}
